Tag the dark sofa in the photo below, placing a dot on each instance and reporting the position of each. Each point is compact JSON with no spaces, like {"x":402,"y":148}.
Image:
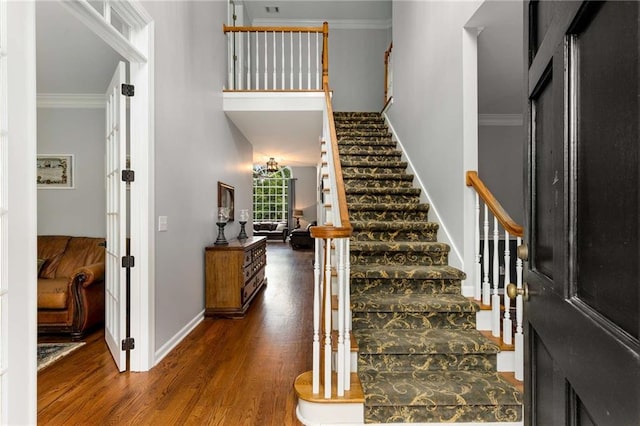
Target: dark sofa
{"x":271,"y":230}
{"x":301,"y":237}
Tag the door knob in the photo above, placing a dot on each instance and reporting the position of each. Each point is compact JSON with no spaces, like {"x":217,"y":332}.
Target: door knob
{"x":513,"y":291}
{"x":523,"y":252}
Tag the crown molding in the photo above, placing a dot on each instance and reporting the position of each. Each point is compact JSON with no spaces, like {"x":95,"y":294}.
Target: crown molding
{"x":500,"y":119}
{"x":338,"y":24}
{"x":70,"y":100}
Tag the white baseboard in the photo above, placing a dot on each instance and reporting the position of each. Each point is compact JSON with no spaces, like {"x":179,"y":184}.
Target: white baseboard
{"x":178,"y":337}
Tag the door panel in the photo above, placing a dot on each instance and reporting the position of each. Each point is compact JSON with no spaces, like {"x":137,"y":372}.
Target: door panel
{"x":115,"y":162}
{"x":582,"y":355}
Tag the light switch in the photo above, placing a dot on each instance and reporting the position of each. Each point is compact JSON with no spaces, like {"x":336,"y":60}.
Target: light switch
{"x":162,"y":223}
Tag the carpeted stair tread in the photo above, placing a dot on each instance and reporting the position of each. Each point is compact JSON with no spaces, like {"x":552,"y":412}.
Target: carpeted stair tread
{"x":395,"y":164}
{"x":399,"y":246}
{"x":386,"y":141}
{"x":350,"y":175}
{"x":440,"y":396}
{"x":363,"y":150}
{"x":381,"y":191}
{"x":376,"y":225}
{"x":423,"y":341}
{"x":423,"y":207}
{"x":440,"y":272}
{"x":411,"y":302}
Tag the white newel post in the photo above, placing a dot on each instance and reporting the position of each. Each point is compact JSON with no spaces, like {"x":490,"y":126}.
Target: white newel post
{"x":347,"y":325}
{"x":519,"y":343}
{"x":327,"y":318}
{"x":486,"y":289}
{"x":477,"y":265}
{"x":317,"y":294}
{"x":339,"y":243}
{"x":495,"y":298}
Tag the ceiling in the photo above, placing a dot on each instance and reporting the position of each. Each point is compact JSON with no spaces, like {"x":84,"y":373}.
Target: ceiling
{"x":72,"y":59}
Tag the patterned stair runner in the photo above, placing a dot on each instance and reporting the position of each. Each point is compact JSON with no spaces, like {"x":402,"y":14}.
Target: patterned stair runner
{"x":420,"y":357}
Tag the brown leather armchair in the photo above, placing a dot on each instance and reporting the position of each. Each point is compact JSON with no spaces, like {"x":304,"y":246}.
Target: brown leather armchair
{"x":70,"y":284}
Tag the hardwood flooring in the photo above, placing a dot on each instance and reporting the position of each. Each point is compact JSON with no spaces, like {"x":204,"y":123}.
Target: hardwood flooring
{"x":226,"y":372}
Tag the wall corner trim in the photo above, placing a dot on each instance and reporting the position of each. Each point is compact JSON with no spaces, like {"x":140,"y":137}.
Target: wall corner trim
{"x":500,"y":119}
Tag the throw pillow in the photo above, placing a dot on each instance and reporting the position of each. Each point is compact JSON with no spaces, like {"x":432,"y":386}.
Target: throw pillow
{"x":280,"y":227}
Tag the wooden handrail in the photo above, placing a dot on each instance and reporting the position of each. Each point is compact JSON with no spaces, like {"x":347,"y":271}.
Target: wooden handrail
{"x":474,"y":181}
{"x":387,"y":53}
{"x":345,"y":230}
{"x":232,"y":29}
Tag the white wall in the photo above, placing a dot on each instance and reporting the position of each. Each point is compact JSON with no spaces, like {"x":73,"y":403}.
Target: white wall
{"x":356,"y":68}
{"x":79,"y":211}
{"x":427,"y":113}
{"x":195,"y":147}
{"x":20,"y":315}
{"x":501,"y":166}
{"x":306,"y":192}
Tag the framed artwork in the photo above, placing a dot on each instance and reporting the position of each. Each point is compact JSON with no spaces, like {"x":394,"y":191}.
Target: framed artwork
{"x":55,"y":171}
{"x":226,"y":198}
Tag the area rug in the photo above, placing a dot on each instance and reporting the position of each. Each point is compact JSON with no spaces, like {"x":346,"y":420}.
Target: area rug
{"x":48,"y":353}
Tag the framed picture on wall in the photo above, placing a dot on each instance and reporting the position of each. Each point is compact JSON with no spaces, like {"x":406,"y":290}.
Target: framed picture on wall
{"x":226,"y":198}
{"x":55,"y":171}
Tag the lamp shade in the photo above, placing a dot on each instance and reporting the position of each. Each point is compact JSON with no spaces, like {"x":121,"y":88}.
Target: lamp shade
{"x":297,"y":213}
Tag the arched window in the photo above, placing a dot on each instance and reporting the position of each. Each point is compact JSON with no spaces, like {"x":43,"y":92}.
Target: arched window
{"x":271,"y":194}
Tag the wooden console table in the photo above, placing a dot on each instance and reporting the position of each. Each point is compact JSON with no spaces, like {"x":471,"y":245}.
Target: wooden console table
{"x":233,"y":275}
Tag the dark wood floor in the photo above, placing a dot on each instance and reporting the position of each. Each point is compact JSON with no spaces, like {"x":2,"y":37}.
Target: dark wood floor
{"x":226,"y":372}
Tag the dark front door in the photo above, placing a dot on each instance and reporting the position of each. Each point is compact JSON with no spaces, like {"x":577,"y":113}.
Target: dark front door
{"x":583,"y":218}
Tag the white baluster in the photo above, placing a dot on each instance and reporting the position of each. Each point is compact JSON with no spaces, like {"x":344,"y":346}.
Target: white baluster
{"x":240,"y":54}
{"x":478,"y":267}
{"x":291,"y":54}
{"x":249,"y":61}
{"x":495,"y":298}
{"x":318,"y":62}
{"x":347,"y":325}
{"x":519,"y":339}
{"x":317,"y":292}
{"x":230,"y":60}
{"x":327,"y":319}
{"x":299,"y":60}
{"x":341,"y":313}
{"x":266,"y":60}
{"x":284,"y":86}
{"x":309,"y":61}
{"x":274,"y":61}
{"x":486,"y":289}
{"x":507,"y":326}
{"x":257,"y":63}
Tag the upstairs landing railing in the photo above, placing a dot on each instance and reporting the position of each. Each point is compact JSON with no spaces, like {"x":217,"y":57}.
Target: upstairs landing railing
{"x":331,"y":272}
{"x":388,"y":75}
{"x":487,"y":276}
{"x":277,"y":58}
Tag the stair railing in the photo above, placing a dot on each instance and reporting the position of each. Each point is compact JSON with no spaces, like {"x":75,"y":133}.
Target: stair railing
{"x":277,"y":58}
{"x":388,"y":75}
{"x":487,"y":277}
{"x":331,"y":273}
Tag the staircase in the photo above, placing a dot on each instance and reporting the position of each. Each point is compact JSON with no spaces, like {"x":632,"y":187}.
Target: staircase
{"x":420,"y":358}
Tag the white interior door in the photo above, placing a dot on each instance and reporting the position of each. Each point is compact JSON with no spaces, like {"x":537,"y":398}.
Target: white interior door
{"x":115,"y":274}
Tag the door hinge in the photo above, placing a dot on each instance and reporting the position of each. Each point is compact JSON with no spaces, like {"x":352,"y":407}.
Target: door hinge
{"x":128,"y":344}
{"x":128,"y":175}
{"x":128,"y":90}
{"x":128,"y":261}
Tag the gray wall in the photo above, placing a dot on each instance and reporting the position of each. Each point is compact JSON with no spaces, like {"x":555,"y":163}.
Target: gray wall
{"x":306,"y":192}
{"x":501,"y":166}
{"x":79,"y":211}
{"x":195,"y":147}
{"x":427,"y":113}
{"x":356,"y":68}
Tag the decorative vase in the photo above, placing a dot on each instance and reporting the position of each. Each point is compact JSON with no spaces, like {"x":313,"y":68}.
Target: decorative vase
{"x":223,"y":217}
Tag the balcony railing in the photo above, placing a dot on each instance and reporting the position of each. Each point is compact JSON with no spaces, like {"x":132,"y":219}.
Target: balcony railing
{"x":487,"y":276}
{"x":277,"y":58}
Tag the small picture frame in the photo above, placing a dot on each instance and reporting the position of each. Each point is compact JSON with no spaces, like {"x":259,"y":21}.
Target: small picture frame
{"x":55,"y":171}
{"x":226,"y":198}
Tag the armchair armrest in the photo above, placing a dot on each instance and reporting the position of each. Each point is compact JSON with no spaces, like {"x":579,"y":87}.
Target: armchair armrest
{"x":86,"y":275}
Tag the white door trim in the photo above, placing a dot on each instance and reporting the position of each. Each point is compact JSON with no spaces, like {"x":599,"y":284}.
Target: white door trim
{"x":138,"y":50}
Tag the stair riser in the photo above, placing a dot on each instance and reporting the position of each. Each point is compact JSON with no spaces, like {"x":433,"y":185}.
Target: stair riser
{"x":399,"y":258}
{"x":361,"y":134}
{"x":404,"y":285}
{"x":413,"y":320}
{"x":358,"y":184}
{"x":368,"y":142}
{"x":386,"y":199}
{"x":388,"y":215}
{"x":368,"y":150}
{"x":444,"y":414}
{"x":390,"y":160}
{"x":427,"y":235}
{"x":392,"y":170}
{"x":373,"y":159}
{"x":360,"y":125}
{"x":426,"y":362}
